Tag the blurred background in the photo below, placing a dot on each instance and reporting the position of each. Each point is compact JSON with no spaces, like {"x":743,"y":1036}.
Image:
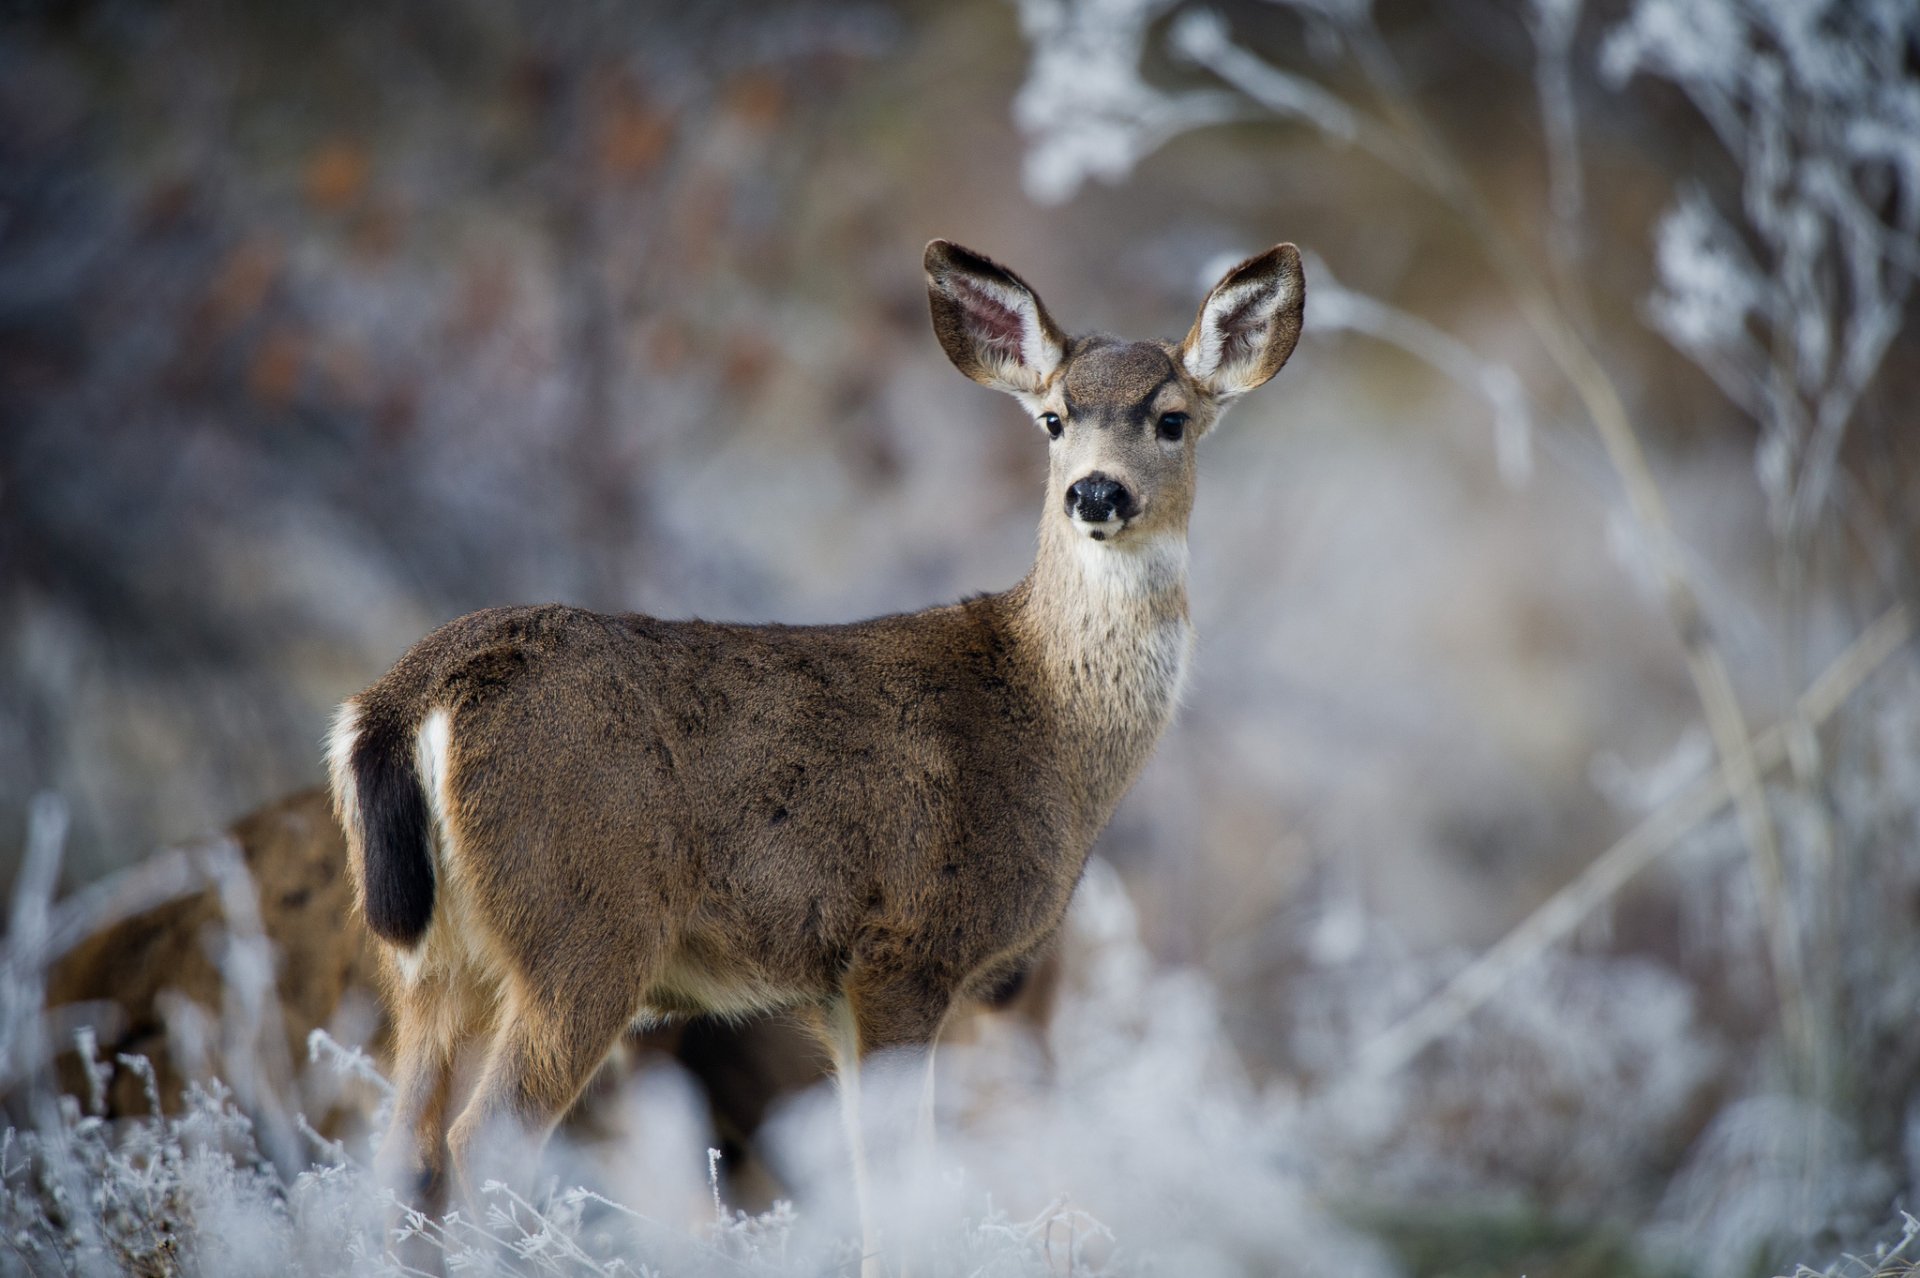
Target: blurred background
{"x":321,"y":324}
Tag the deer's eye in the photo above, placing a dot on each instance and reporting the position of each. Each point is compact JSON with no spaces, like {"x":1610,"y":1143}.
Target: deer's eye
{"x":1052,"y":422}
{"x":1172,"y":426}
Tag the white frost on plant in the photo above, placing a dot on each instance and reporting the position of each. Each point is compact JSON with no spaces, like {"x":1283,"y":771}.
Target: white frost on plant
{"x":1770,"y":1170}
{"x":1643,"y":789}
{"x":1681,"y":39}
{"x":1148,"y":1150}
{"x":1143,"y":1117}
{"x":1202,"y":37}
{"x":1572,"y":1074}
{"x":1335,"y":308}
{"x":1709,"y":286}
{"x":1085,"y":108}
{"x":1815,"y":105}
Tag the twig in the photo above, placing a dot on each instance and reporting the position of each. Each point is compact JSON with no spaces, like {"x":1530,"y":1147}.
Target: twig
{"x":163,"y":877}
{"x":1407,"y":141}
{"x":347,"y":1062}
{"x":1646,"y":843}
{"x":587,"y":1195}
{"x":1706,"y":666}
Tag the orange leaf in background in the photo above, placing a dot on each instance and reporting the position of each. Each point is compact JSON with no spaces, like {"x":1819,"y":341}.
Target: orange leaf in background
{"x":669,"y":347}
{"x":633,"y":137}
{"x":485,"y":298}
{"x":700,"y":220}
{"x":394,"y":419}
{"x":750,"y":357}
{"x":346,"y":371}
{"x":378,"y":232}
{"x":336,"y":174}
{"x":758,"y":99}
{"x":239,"y":287}
{"x":274,"y":374}
{"x":167,"y":202}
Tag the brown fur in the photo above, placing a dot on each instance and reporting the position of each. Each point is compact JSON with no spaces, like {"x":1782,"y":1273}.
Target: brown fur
{"x":294,"y":852}
{"x":867,"y":822}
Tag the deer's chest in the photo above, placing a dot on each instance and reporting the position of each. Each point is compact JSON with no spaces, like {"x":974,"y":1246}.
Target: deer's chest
{"x":1133,"y":667}
{"x":1166,"y":656}
{"x":1125,"y":687}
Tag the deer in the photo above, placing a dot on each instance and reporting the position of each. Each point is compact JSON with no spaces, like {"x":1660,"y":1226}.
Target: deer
{"x":561,"y":823}
{"x":132,"y":977}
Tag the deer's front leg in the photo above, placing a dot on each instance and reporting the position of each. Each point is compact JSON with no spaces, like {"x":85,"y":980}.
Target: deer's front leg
{"x":881,"y":1034}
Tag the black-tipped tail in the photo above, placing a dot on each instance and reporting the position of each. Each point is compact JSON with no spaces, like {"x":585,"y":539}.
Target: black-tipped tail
{"x":397,"y":858}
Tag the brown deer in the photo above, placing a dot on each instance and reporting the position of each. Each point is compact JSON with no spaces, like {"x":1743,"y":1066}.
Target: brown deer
{"x":563,"y":822}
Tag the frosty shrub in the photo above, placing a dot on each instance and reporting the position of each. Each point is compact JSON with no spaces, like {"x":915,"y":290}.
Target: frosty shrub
{"x":1783,"y":270}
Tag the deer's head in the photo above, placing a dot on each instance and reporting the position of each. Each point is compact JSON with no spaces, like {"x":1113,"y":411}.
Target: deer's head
{"x":1121,"y":417}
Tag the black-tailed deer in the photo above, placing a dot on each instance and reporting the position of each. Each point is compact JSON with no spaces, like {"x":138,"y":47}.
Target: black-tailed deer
{"x":562,"y":822}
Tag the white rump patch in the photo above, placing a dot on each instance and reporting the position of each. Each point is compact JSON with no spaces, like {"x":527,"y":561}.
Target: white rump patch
{"x":430,"y":761}
{"x":430,"y":765}
{"x":341,"y":739}
{"x":340,"y":742}
{"x":454,"y":939}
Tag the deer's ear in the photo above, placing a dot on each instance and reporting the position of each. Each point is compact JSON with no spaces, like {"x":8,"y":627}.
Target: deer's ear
{"x":992,"y":325}
{"x":1248,"y":324}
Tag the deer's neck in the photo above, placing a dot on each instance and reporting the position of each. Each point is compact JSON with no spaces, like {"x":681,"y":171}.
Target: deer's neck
{"x":1107,"y":625}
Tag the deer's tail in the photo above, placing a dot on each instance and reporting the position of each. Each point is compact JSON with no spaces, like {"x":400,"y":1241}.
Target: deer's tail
{"x":381,"y":801}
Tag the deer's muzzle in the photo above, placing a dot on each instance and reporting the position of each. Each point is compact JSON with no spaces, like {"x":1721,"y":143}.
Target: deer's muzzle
{"x":1096,"y":499}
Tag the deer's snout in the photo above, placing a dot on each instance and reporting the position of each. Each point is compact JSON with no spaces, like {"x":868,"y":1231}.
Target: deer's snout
{"x":1097,"y":498}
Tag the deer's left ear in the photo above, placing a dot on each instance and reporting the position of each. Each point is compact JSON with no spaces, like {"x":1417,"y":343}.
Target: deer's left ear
{"x":1248,"y":324}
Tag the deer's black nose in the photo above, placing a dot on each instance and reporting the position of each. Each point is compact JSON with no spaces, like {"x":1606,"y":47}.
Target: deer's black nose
{"x":1098,"y":498}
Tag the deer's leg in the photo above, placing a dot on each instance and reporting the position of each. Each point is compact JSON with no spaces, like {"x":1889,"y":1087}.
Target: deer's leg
{"x":843,"y":1046}
{"x":545,"y":1048}
{"x":923,"y":1127}
{"x":413,"y":1154}
{"x":898,"y":1019}
{"x":881,"y":1034}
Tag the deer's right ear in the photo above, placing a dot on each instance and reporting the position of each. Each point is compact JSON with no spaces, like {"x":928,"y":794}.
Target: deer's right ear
{"x":992,"y":325}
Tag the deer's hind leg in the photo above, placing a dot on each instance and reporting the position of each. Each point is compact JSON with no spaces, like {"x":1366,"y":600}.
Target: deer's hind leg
{"x":546,"y":1045}
{"x":577,"y":919}
{"x":431,"y":1017}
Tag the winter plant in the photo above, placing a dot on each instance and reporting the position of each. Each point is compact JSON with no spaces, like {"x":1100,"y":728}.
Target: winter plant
{"x":1783,"y":271}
